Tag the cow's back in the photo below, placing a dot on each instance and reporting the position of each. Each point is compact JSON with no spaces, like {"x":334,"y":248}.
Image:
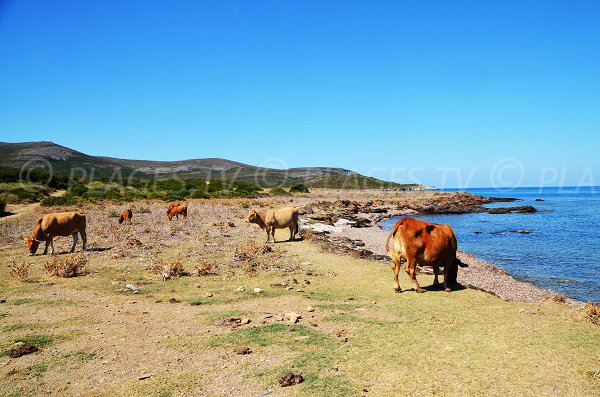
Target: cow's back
{"x":427,"y":242}
{"x":63,"y":223}
{"x":282,"y":217}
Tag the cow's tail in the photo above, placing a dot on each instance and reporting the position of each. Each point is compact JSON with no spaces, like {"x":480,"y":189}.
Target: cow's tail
{"x":392,"y":234}
{"x":460,"y":263}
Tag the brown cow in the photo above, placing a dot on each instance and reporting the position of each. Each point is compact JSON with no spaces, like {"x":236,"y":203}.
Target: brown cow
{"x":126,"y":215}
{"x":424,"y":244}
{"x":170,"y":207}
{"x":53,"y":225}
{"x":177,"y":210}
{"x":270,"y":220}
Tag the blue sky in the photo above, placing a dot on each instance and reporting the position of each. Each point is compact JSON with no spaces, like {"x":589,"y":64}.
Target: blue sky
{"x":483,"y":92}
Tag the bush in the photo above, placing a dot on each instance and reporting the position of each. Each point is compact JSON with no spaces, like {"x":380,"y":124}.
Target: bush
{"x":299,"y":188}
{"x":59,"y":201}
{"x":69,"y":265}
{"x":78,"y":190}
{"x":277,"y":191}
{"x":19,"y":270}
{"x":173,"y":269}
{"x":2,"y":207}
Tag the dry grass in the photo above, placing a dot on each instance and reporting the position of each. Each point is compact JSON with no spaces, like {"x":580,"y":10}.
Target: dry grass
{"x":592,"y":313}
{"x":204,"y":268}
{"x":19,"y":270}
{"x":173,"y":269}
{"x":69,"y":265}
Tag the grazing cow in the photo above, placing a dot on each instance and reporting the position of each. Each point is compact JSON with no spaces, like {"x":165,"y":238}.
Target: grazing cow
{"x":126,"y":215}
{"x":172,"y":205}
{"x":53,"y":225}
{"x":424,"y":244}
{"x":177,"y":210}
{"x":270,"y":220}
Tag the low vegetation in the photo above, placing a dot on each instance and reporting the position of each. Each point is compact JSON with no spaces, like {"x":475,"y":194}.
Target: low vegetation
{"x":20,"y":193}
{"x":19,"y":270}
{"x":299,"y":188}
{"x":68,"y":265}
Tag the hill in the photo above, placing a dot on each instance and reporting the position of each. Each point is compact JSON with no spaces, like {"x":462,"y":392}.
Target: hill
{"x":64,"y":160}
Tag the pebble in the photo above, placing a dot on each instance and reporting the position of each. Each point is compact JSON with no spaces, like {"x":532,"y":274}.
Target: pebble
{"x":258,"y":290}
{"x":240,"y":289}
{"x":292,"y":317}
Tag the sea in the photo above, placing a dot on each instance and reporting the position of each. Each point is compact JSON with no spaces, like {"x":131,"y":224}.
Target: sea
{"x":557,"y":248}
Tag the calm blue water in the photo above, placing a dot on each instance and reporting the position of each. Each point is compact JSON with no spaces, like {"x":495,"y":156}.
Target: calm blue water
{"x":563,"y":251}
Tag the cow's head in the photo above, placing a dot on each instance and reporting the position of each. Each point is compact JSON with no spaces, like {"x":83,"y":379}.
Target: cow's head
{"x":252,"y":217}
{"x":32,"y":244}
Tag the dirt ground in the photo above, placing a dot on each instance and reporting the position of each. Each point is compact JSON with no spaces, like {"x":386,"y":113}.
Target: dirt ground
{"x":123,"y":329}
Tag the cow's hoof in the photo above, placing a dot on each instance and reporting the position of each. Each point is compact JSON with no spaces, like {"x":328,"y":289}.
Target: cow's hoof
{"x":30,"y":255}
{"x":447,"y":289}
{"x":420,"y":291}
{"x":397,"y":290}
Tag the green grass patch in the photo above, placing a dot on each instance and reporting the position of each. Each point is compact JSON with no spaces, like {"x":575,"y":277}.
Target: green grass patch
{"x":63,"y":362}
{"x":41,"y":302}
{"x":54,"y":324}
{"x":159,"y":385}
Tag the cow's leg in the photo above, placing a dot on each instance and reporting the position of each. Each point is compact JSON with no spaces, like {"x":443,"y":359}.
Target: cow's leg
{"x":46,"y":248}
{"x":292,"y":232}
{"x":83,"y":240}
{"x":450,"y":270}
{"x":273,"y":234}
{"x":74,"y":242}
{"x":436,"y":272}
{"x":411,"y":268}
{"x":268,"y":235}
{"x":396,"y":265}
{"x":51,"y":247}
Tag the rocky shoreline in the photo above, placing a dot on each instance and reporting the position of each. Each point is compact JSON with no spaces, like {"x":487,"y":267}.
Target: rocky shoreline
{"x":351,"y":227}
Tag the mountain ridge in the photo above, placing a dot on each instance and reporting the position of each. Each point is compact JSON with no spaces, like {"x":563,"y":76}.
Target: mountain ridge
{"x":67,"y":161}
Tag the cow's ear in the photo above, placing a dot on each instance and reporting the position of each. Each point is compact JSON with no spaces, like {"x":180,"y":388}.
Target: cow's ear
{"x":429,"y":228}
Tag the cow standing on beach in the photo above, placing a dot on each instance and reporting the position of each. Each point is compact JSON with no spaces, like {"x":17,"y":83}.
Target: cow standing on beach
{"x":424,"y":244}
{"x":270,"y":220}
{"x":126,"y":216}
{"x":53,"y":225}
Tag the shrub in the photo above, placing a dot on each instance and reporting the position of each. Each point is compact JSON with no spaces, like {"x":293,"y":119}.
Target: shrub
{"x":69,"y":265}
{"x":2,"y":207}
{"x":113,"y":214}
{"x":19,"y":270}
{"x":173,"y":269}
{"x":58,"y":201}
{"x":143,"y":210}
{"x":203,"y":268}
{"x":278,"y":192}
{"x":78,"y":190}
{"x":299,"y":188}
{"x":592,"y":313}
